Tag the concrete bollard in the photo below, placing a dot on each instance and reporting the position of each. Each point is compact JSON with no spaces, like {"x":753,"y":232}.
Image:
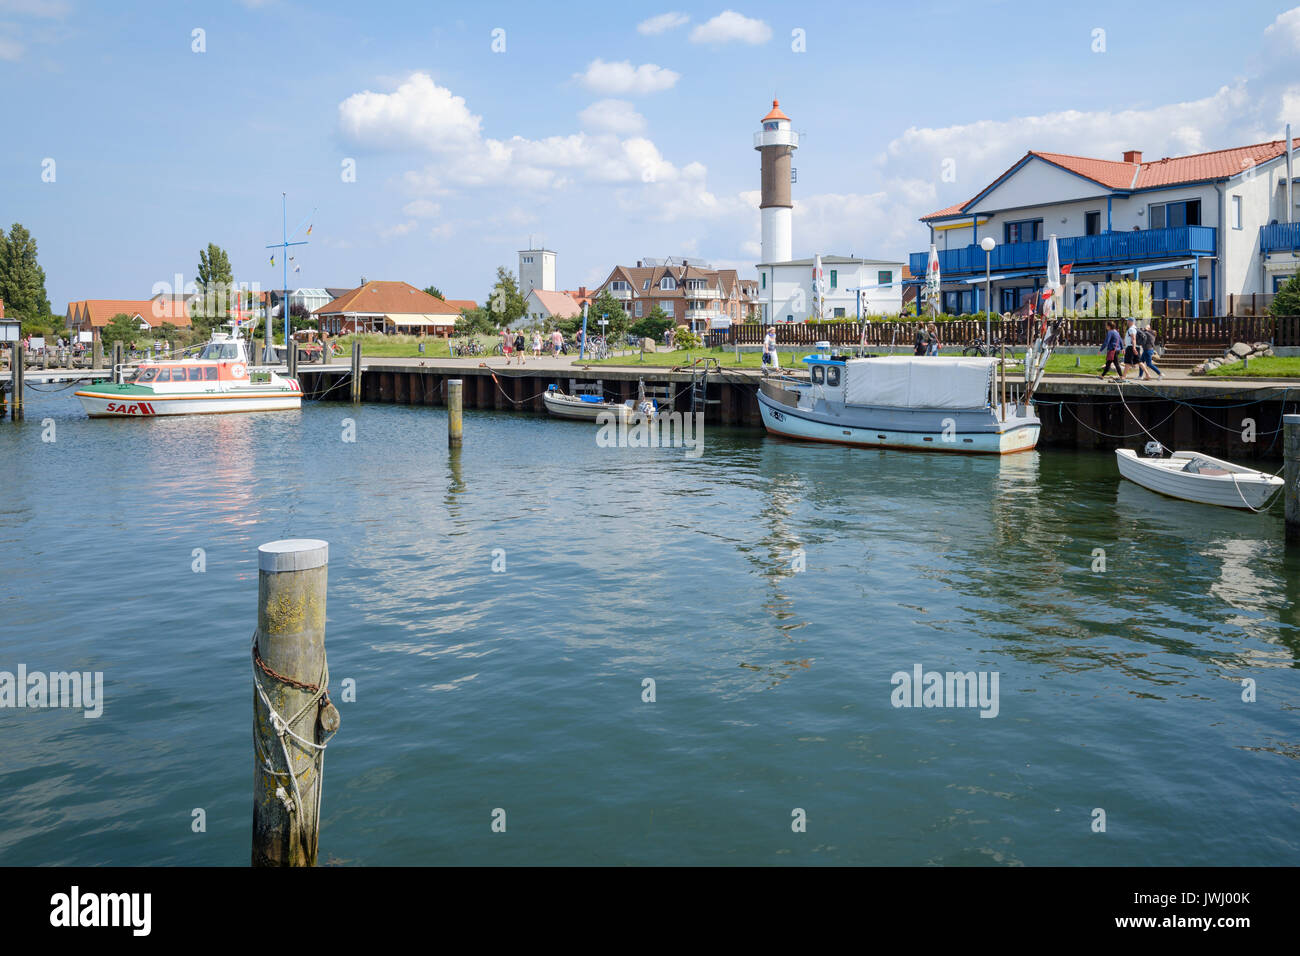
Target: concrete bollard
{"x":293,"y":717}
{"x":356,"y":371}
{"x":455,"y":388}
{"x":1291,"y":453}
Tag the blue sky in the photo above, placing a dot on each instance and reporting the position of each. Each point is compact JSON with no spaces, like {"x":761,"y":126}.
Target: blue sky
{"x":607,"y":141}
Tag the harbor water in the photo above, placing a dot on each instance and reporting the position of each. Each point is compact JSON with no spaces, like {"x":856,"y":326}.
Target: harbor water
{"x":505,"y":612}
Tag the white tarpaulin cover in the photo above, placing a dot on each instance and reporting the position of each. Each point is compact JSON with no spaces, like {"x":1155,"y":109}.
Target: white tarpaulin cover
{"x":905,"y":381}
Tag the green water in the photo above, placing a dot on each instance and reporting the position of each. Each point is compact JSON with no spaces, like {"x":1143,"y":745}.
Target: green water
{"x":522,"y":689}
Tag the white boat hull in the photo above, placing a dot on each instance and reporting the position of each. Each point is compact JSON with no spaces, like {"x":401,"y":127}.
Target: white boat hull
{"x":117,"y":406}
{"x":1236,"y":487}
{"x":567,"y":406}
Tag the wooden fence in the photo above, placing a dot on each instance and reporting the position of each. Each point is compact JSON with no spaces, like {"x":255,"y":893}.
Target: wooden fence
{"x":1220,"y":330}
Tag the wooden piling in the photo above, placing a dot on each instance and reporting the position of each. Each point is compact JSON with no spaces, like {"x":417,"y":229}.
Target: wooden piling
{"x":1291,"y":453}
{"x":119,"y":359}
{"x":18,"y":378}
{"x":356,"y":371}
{"x":455,"y":398}
{"x":293,"y":716}
{"x":97,"y":353}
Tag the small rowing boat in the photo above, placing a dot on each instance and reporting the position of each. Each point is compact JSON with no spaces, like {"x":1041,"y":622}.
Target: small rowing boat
{"x":589,"y":408}
{"x":1192,"y":476}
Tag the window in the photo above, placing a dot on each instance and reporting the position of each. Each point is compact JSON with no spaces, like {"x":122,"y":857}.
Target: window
{"x":839,"y":314}
{"x":1278,"y":282}
{"x":764,"y":278}
{"x":1171,"y":289}
{"x":1174,"y":215}
{"x":196,"y":375}
{"x":670,"y":307}
{"x":645,"y":285}
{"x":637,"y":309}
{"x":1236,"y":212}
{"x":832,"y":375}
{"x":1026,"y":230}
{"x":150,"y":374}
{"x":885,"y":277}
{"x":1092,"y":223}
{"x":835,"y":278}
{"x":668,"y":283}
{"x":164,"y":375}
{"x":818,"y":375}
{"x":210,"y":373}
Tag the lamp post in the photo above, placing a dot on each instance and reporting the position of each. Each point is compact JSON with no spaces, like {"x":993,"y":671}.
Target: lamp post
{"x":987,"y":245}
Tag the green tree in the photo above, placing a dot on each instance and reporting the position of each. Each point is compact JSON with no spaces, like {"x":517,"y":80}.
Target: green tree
{"x":214,"y":282}
{"x":653,"y":325}
{"x":475,"y":322}
{"x":504,"y":303}
{"x":434,"y":291}
{"x":1287,"y":300}
{"x":120,"y":328}
{"x":605,"y":306}
{"x":22,"y":280}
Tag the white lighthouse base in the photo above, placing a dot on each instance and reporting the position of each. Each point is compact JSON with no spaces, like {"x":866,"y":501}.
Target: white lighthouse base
{"x":778,"y":226}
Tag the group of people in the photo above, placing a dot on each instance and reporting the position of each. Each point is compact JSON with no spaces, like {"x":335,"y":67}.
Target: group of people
{"x":927,"y":340}
{"x":515,"y":344}
{"x":1139,"y":347}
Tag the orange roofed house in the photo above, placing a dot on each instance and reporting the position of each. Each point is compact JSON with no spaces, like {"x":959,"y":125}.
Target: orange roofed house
{"x":1202,"y":229}
{"x":91,"y":315}
{"x":389,"y":307}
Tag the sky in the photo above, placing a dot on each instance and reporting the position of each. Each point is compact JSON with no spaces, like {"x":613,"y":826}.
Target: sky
{"x":429,"y":142}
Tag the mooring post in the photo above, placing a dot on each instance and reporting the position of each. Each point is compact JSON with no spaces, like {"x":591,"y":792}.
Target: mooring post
{"x":291,"y":357}
{"x":97,"y":353}
{"x":1291,"y":453}
{"x":19,"y":373}
{"x":293,"y":717}
{"x":119,"y":352}
{"x":356,"y":371}
{"x":455,"y":388}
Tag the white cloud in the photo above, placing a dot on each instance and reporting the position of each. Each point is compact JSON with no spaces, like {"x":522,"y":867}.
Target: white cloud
{"x":612,"y":116}
{"x":418,"y":113}
{"x":661,"y":24}
{"x":398,"y":229}
{"x":730,"y":26}
{"x":623,"y":78}
{"x":1285,"y":30}
{"x":10,"y":49}
{"x":422,"y":208}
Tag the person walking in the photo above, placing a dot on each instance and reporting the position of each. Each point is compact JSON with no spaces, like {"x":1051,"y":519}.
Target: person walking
{"x":932,"y":339}
{"x":1111,"y":347}
{"x":770,"y":360}
{"x":1130,"y":344}
{"x":506,"y":341}
{"x":519,"y":346}
{"x":920,"y":347}
{"x":537,"y":344}
{"x":1146,"y":340}
{"x":557,"y":343}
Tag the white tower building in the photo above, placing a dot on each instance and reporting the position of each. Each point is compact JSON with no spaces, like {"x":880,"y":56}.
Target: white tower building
{"x":776,"y":143}
{"x":536,"y":270}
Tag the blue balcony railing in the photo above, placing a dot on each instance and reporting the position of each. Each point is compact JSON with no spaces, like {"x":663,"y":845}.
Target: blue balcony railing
{"x":1279,"y":237}
{"x":1120,"y":248}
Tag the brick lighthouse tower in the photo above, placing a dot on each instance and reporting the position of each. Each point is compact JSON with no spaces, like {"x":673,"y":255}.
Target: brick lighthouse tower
{"x":775,"y":143}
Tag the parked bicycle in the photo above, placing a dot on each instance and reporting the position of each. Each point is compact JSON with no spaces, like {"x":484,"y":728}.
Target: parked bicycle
{"x":984,"y":349}
{"x":468,"y":348}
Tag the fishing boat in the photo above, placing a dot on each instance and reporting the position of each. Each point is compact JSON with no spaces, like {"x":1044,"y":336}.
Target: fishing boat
{"x":917,"y":403}
{"x":590,"y":407}
{"x":219,"y":379}
{"x":1193,"y":476}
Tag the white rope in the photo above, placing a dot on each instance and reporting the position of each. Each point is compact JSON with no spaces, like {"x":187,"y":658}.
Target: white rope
{"x":283,"y":728}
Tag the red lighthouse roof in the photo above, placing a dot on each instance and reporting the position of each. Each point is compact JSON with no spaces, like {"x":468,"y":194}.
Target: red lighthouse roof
{"x":776,"y":113}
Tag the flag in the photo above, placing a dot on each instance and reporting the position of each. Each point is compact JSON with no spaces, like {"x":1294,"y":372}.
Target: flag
{"x":309,"y":229}
{"x":272,"y":259}
{"x":297,"y":268}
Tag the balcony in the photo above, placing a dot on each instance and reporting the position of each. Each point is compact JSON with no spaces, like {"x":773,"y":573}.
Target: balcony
{"x":623,"y":294}
{"x":1118,"y":248}
{"x":1279,"y":237}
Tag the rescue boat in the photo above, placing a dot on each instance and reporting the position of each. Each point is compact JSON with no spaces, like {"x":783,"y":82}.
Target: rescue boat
{"x":220,"y":379}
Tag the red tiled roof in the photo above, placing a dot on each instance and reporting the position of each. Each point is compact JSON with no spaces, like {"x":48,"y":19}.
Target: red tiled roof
{"x":96,"y":313}
{"x":462,"y":305}
{"x":1167,"y":171}
{"x":387,"y":298}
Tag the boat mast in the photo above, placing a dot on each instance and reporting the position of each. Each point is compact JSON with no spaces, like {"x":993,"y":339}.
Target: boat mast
{"x":283,"y":245}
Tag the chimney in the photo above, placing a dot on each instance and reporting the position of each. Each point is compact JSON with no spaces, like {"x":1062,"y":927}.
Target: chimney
{"x":582,"y":292}
{"x":1133,"y":156}
{"x":638,"y":263}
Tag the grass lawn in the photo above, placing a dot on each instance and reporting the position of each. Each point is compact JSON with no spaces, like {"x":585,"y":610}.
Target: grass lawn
{"x":684,"y":357}
{"x":406,"y":346}
{"x":1274,"y":366}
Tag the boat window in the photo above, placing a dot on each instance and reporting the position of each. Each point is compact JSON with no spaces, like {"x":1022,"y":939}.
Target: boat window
{"x":832,"y":375}
{"x":210,"y":373}
{"x":818,"y":375}
{"x":148,"y":375}
{"x":164,"y":375}
{"x":196,"y":375}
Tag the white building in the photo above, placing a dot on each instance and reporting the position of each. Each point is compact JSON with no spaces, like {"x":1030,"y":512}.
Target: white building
{"x":852,"y":286}
{"x":540,"y":305}
{"x":1199,"y":229}
{"x":536,"y":270}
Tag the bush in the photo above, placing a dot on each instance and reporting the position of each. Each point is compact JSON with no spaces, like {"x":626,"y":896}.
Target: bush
{"x":1287,"y":300}
{"x":685,"y":339}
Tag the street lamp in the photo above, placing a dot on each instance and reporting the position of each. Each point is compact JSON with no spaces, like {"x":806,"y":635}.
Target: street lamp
{"x":987,"y":244}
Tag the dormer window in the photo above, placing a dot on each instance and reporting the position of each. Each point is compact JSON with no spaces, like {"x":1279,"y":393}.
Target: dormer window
{"x":645,"y":285}
{"x":668,"y":283}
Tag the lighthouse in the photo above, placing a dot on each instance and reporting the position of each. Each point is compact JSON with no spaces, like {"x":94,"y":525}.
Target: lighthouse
{"x":776,"y":143}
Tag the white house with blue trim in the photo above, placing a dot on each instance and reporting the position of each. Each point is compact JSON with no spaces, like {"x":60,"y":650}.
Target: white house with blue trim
{"x":1197,"y":228}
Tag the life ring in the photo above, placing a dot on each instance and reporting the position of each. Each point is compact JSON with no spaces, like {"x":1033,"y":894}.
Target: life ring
{"x":239,"y":370}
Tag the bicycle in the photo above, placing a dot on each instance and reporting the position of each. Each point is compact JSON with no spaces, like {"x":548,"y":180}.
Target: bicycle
{"x":985,"y":350}
{"x":468,"y":349}
{"x":598,"y":349}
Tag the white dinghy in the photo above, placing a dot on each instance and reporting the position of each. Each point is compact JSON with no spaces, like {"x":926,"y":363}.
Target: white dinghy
{"x":1196,"y":477}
